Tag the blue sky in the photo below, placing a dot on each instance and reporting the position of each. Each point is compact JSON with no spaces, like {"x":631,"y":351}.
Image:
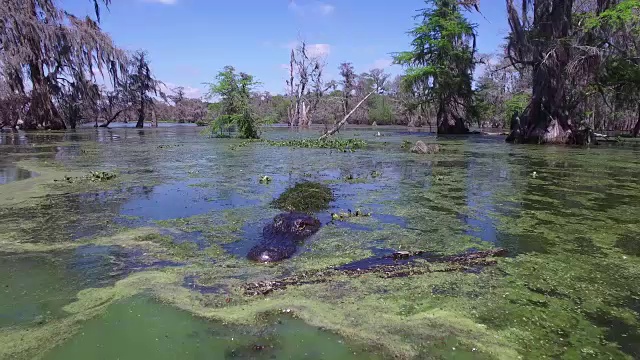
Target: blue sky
{"x":189,"y":41}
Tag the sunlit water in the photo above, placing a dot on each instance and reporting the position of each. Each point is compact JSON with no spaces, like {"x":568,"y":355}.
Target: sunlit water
{"x":568,"y":216}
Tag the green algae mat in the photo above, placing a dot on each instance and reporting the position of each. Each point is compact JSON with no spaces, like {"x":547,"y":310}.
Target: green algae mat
{"x":129,"y":244}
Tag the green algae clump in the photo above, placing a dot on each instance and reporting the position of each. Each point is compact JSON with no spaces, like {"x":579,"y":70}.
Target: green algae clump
{"x":305,"y":197}
{"x":344,"y":145}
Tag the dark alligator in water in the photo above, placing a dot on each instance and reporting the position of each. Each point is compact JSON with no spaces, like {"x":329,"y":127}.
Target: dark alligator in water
{"x":280,"y":239}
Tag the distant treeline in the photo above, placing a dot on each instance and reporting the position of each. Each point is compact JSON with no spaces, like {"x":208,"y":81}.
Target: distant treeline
{"x":547,"y":84}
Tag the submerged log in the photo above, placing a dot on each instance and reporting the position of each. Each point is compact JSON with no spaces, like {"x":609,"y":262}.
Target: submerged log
{"x":398,"y":264}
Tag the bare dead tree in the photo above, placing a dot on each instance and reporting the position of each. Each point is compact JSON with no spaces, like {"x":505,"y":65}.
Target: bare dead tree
{"x":379,"y":79}
{"x":305,"y":85}
{"x":348,"y":83}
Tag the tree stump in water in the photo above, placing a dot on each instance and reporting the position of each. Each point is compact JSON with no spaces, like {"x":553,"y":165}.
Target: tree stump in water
{"x":422,"y":148}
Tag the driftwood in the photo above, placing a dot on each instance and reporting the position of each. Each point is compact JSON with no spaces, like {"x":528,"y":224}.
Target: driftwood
{"x":106,"y":124}
{"x":344,"y":120}
{"x":399,"y":264}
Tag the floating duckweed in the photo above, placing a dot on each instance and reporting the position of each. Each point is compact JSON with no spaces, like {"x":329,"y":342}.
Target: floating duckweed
{"x":345,"y":145}
{"x":349,"y":214}
{"x":94,"y":176}
{"x":306,"y":197}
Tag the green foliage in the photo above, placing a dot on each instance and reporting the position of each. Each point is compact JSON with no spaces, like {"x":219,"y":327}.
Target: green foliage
{"x":305,"y":197}
{"x":621,"y":68}
{"x":202,"y":122}
{"x":439,"y":68}
{"x":234,"y":90}
{"x":618,"y":16}
{"x":515,"y":105}
{"x":485,"y":107}
{"x":344,"y":145}
{"x":278,"y":110}
{"x":380,"y":111}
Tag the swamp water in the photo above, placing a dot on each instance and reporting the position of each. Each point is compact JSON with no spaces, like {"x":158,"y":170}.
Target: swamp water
{"x":151,"y":264}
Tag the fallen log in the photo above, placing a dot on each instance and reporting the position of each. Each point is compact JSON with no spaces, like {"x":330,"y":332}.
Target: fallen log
{"x":344,"y":120}
{"x":398,"y":264}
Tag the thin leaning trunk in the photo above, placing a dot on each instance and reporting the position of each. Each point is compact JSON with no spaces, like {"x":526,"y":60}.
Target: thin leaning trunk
{"x":636,"y":129}
{"x":345,"y":119}
{"x":110,"y":120}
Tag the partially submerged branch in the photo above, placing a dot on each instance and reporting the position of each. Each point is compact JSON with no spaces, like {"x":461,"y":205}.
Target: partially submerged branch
{"x":399,"y":264}
{"x":345,"y":119}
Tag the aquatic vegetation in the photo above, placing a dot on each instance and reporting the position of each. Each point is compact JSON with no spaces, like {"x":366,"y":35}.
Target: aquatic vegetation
{"x":139,"y":322}
{"x":305,"y":197}
{"x":94,"y":176}
{"x":353,"y":179}
{"x":169,"y":146}
{"x":391,"y":266}
{"x":344,"y":145}
{"x":245,"y":143}
{"x":566,"y":288}
{"x":349,"y":214}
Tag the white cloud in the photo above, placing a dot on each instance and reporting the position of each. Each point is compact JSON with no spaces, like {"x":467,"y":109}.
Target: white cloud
{"x":326,"y":9}
{"x":317,"y":50}
{"x":382,"y":63}
{"x":293,"y":6}
{"x":165,"y":2}
{"x":313,"y":50}
{"x":189,"y":92}
{"x":317,"y":7}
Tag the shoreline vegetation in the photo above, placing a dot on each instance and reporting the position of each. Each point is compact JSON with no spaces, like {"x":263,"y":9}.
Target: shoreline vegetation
{"x":436,"y":89}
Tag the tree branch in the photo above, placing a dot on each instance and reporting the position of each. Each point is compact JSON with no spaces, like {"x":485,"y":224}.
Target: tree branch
{"x":341,"y":123}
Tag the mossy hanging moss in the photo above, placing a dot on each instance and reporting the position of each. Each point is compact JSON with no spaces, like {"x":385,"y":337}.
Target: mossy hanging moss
{"x":306,"y":197}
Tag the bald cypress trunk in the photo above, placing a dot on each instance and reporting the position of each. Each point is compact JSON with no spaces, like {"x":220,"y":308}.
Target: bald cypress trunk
{"x":548,"y":118}
{"x":140,"y":123}
{"x":449,"y":122}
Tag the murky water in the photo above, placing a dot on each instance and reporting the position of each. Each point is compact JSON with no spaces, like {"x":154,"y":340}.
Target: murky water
{"x":9,"y":173}
{"x":140,"y":328}
{"x":83,"y":260}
